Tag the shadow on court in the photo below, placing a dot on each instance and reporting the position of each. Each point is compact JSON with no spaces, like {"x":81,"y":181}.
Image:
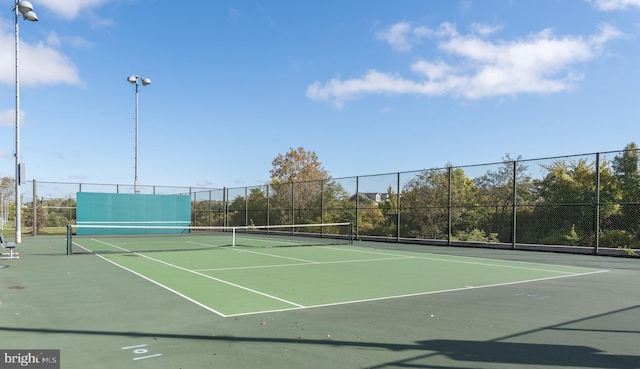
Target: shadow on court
{"x":455,"y":351}
{"x":92,"y":311}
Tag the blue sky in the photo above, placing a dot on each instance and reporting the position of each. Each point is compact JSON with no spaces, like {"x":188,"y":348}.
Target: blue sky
{"x":370,"y":86}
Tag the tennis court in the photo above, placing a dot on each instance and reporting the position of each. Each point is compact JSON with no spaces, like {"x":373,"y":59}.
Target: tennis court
{"x":230,"y":281}
{"x":361,"y":305}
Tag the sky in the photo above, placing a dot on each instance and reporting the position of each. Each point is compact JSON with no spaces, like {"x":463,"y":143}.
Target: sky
{"x":370,"y":86}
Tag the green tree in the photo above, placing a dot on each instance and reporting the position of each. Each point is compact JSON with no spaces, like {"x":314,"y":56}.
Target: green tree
{"x":337,"y":204}
{"x":567,"y":201}
{"x":41,"y":216}
{"x":387,"y":224}
{"x":391,"y":205}
{"x":61,"y":211}
{"x":496,"y":196}
{"x":257,"y":207}
{"x":207,"y":213}
{"x":425,"y":203}
{"x":627,"y":175}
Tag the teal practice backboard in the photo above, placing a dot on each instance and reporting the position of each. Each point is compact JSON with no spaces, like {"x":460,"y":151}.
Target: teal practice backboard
{"x":111,"y":209}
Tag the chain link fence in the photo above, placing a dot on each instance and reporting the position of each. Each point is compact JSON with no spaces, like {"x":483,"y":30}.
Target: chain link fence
{"x":581,"y":203}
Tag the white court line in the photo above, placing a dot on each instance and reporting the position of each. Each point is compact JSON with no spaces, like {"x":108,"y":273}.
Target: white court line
{"x":136,"y":346}
{"x":220,"y":280}
{"x":466,"y":288}
{"x":146,"y":357}
{"x":302,"y":264}
{"x":258,"y":253}
{"x":194,"y":272}
{"x":477,"y":262}
{"x":394,"y":257}
{"x":163,"y":286}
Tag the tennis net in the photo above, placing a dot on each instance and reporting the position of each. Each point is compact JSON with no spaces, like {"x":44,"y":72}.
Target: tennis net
{"x":122,"y":238}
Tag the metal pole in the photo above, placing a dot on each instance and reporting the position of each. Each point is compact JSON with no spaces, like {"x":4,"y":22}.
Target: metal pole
{"x":514,"y":206}
{"x":398,"y":209}
{"x":596,"y":208}
{"x":17,"y":189}
{"x":357,"y":235}
{"x":34,"y":231}
{"x":135,"y":183}
{"x":450,"y":206}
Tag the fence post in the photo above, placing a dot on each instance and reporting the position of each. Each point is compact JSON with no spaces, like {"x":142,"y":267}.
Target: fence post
{"x":596,"y":208}
{"x":322,"y":205}
{"x":209,"y":211}
{"x":225,"y":207}
{"x":246,"y":206}
{"x":514,"y":208}
{"x":35,"y":209}
{"x":357,"y":207}
{"x":398,"y":210}
{"x":293,"y":205}
{"x":449,"y":211}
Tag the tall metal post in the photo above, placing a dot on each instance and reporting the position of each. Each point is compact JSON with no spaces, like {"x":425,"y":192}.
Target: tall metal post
{"x":514,"y":206}
{"x":17,"y":148}
{"x":145,"y":81}
{"x":449,"y":206}
{"x":596,"y":208}
{"x":136,"y":183}
{"x":26,"y":9}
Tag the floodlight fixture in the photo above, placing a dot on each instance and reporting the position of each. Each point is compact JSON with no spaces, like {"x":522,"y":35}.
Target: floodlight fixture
{"x":26,"y":9}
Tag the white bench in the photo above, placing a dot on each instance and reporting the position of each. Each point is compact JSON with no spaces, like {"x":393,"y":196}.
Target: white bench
{"x":8,"y":245}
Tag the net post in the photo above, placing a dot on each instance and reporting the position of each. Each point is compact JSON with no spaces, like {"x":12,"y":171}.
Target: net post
{"x":350,"y":233}
{"x":69,"y":239}
{"x":233,"y":236}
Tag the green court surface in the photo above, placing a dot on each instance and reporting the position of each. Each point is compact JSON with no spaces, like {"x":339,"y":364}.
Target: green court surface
{"x":367,"y":305}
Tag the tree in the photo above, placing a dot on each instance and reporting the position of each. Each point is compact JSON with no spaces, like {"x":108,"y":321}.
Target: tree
{"x":297,"y":180}
{"x":7,"y":187}
{"x":297,"y":165}
{"x":390,"y":207}
{"x":567,"y":200}
{"x":425,"y":203}
{"x":42,"y":217}
{"x":627,"y":174}
{"x":257,"y":207}
{"x":7,"y":190}
{"x":336,"y":203}
{"x":496,"y":196}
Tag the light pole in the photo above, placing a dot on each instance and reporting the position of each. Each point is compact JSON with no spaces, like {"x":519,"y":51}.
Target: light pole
{"x":25,"y":9}
{"x":145,"y":81}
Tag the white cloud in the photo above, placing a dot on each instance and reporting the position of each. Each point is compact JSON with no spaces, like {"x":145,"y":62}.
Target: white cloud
{"x":5,"y":155}
{"x":608,"y":5}
{"x":479,"y":68}
{"x":396,"y":36}
{"x":7,"y":118}
{"x":74,"y":41}
{"x":70,"y":9}
{"x":53,"y":39}
{"x":39,"y":63}
{"x":485,"y":29}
